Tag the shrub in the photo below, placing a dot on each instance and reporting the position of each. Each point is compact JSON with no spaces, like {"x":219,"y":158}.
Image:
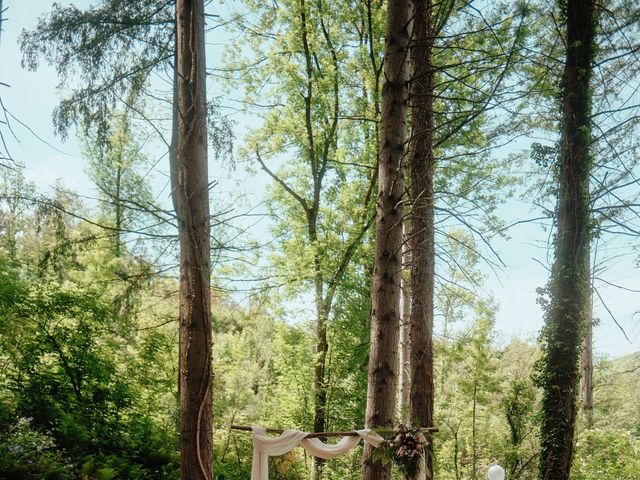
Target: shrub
{"x":606,"y":455}
{"x":27,"y":454}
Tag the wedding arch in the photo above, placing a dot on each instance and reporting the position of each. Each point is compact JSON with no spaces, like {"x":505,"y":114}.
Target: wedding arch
{"x":265,"y":446}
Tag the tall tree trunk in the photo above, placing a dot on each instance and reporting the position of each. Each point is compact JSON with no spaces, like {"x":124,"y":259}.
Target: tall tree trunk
{"x":404,"y":364}
{"x":422,"y":164}
{"x":118,"y":206}
{"x":320,"y":384}
{"x":586,"y":357}
{"x":383,"y":375}
{"x":569,"y":284}
{"x":191,"y":199}
{"x":474,"y":442}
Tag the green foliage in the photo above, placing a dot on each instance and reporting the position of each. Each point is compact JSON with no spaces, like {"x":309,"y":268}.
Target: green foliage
{"x":544,"y":155}
{"x":105,"y":55}
{"x":498,"y":382}
{"x":466,"y":398}
{"x":114,"y":45}
{"x":88,"y":337}
{"x":74,"y":362}
{"x":349,"y":333}
{"x":112,"y":412}
{"x":16,"y":195}
{"x":606,"y":455}
{"x":119,"y":170}
{"x":70,"y":378}
{"x":518,"y":405}
{"x":327,"y":161}
{"x":28,"y":454}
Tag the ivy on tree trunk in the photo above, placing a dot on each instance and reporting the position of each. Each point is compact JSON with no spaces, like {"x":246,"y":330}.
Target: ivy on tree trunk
{"x":569,"y":285}
{"x":190,"y":189}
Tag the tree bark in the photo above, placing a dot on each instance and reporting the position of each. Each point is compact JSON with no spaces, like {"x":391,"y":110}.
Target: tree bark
{"x":422,"y":238}
{"x":569,"y":284}
{"x":383,"y":375}
{"x":404,"y":364}
{"x":320,"y":384}
{"x":118,"y":207}
{"x":191,"y":199}
{"x":474,"y":443}
{"x":586,"y":357}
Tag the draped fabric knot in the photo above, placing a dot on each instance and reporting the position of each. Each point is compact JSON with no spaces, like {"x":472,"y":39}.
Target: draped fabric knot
{"x":265,"y":447}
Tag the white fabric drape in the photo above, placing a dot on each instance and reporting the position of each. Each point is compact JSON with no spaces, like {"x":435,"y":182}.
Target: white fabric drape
{"x":265,"y":447}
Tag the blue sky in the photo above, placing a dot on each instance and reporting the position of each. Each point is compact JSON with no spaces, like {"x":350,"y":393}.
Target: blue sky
{"x":32,"y":97}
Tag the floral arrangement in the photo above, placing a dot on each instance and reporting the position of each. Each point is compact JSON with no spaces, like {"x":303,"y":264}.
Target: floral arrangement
{"x":406,"y":450}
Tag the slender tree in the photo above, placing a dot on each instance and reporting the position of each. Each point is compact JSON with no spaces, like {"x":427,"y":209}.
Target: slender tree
{"x":4,"y":118}
{"x":404,"y":345}
{"x":191,"y":201}
{"x":569,"y":284}
{"x":321,"y":129}
{"x":422,"y":238}
{"x":436,"y":74}
{"x":586,"y":356}
{"x":614,"y":178}
{"x":388,"y":252}
{"x":123,"y":192}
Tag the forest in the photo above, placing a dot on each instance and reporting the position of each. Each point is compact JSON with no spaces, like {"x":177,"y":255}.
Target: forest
{"x":320,"y":216}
